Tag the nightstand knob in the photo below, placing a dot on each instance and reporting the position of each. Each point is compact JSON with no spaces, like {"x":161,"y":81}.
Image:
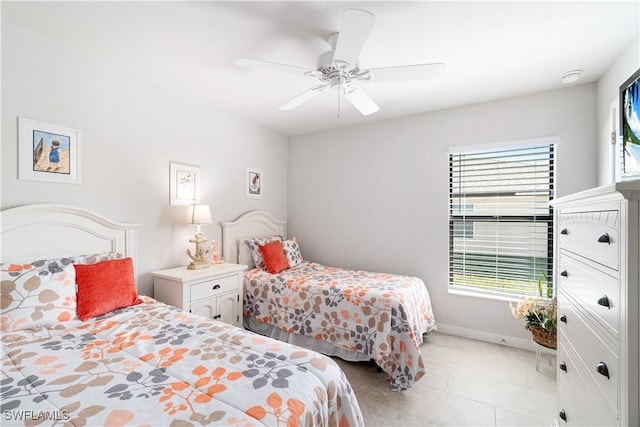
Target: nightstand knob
{"x":564,"y":231}
{"x":604,"y":238}
{"x":563,"y":415}
{"x":563,"y":318}
{"x":216,"y":286}
{"x":563,"y":366}
{"x":564,"y":273}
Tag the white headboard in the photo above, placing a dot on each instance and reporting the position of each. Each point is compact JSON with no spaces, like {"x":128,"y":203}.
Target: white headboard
{"x":249,"y":225}
{"x":49,"y":229}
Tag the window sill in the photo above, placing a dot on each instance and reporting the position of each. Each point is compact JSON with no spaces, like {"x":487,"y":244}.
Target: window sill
{"x":496,"y":296}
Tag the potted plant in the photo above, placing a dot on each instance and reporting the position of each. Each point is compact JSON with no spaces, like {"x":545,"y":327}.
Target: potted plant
{"x":540,"y":314}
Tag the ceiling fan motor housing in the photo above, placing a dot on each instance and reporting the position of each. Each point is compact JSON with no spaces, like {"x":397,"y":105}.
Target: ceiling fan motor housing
{"x":336,"y":74}
{"x":325,"y":61}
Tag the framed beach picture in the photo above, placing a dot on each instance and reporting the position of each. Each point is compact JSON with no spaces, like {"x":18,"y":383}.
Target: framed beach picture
{"x":184,"y":184}
{"x":630,"y":124}
{"x":48,"y":152}
{"x":254,"y":183}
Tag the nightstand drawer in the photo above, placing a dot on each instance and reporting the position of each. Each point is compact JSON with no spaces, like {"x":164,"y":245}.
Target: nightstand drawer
{"x":215,"y":286}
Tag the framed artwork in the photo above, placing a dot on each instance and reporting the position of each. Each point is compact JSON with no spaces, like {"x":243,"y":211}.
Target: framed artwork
{"x":254,"y":183}
{"x":184,"y":184}
{"x":630,"y":124}
{"x":48,"y":152}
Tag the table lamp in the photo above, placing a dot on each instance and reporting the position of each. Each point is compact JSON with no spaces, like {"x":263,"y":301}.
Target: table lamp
{"x":198,"y":214}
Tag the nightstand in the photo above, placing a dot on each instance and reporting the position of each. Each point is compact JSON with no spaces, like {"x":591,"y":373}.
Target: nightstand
{"x":214,"y":292}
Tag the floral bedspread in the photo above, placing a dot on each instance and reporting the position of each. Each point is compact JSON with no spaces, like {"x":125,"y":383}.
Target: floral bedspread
{"x":379,"y":315}
{"x":155,"y":365}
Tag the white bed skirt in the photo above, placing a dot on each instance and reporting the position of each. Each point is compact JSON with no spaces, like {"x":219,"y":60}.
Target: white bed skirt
{"x":303,"y":341}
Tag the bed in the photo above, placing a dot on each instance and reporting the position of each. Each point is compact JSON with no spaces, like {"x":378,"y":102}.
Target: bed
{"x":144,"y":363}
{"x":355,"y":315}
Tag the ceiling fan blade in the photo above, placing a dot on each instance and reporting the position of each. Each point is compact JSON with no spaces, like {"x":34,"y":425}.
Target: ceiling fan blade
{"x":274,"y":66}
{"x":355,"y":29}
{"x":359,"y":99}
{"x":406,"y":73}
{"x":303,"y":97}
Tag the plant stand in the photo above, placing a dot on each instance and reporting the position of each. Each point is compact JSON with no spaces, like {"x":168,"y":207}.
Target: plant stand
{"x":550,"y":352}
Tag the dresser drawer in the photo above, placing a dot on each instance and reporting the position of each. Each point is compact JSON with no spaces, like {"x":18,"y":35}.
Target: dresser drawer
{"x":593,"y":235}
{"x":214,"y":286}
{"x":591,"y":288}
{"x":593,"y":352}
{"x":576,"y":393}
{"x":568,"y":415}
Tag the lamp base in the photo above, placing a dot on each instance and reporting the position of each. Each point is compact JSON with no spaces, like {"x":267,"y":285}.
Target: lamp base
{"x":197,"y":265}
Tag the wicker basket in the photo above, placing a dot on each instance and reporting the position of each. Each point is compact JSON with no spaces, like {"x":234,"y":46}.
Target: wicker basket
{"x":543,"y":337}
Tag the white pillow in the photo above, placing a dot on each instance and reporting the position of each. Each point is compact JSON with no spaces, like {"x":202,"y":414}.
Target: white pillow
{"x":99,"y":257}
{"x":37,"y":292}
{"x":292,"y":251}
{"x":244,"y":254}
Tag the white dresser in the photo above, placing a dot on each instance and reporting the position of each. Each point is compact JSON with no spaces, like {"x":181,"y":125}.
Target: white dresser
{"x":597,"y":274}
{"x":214,"y":292}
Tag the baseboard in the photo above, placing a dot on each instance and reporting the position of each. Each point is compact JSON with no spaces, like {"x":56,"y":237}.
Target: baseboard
{"x":525,"y":344}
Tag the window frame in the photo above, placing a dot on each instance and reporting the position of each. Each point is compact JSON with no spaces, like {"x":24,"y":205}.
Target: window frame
{"x":465,"y":217}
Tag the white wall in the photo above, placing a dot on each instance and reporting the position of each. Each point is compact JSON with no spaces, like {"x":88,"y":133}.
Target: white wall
{"x":375,"y":197}
{"x":131,"y":128}
{"x":608,"y":92}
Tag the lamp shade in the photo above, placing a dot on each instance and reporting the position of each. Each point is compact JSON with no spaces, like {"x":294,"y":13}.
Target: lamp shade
{"x":199,"y":214}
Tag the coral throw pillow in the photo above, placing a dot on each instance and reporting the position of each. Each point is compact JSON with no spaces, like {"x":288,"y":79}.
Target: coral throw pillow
{"x":274,"y":258}
{"x":104,"y":287}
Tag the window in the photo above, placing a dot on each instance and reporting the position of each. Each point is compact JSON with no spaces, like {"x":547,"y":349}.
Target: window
{"x":500,"y":221}
{"x":462,"y":229}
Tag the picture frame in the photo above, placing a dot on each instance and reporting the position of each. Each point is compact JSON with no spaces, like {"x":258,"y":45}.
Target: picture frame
{"x":630,"y":125}
{"x":184,"y":185}
{"x":254,"y":183}
{"x":48,"y":152}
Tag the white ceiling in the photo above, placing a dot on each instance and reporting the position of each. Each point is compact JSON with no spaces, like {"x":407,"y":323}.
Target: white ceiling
{"x":492,"y":50}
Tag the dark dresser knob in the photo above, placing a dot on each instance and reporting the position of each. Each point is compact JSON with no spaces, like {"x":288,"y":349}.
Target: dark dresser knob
{"x":604,"y":238}
{"x":563,"y":415}
{"x":604,"y":301}
{"x":216,"y":286}
{"x":563,"y":318}
{"x":602,"y":369}
{"x":564,"y":231}
{"x":563,"y":366}
{"x":564,"y":273}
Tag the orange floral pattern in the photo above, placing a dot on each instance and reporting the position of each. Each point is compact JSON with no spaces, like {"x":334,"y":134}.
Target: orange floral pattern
{"x":152,"y":364}
{"x":383,"y":316}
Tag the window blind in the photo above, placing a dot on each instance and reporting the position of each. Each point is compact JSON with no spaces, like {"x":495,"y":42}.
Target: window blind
{"x":500,"y":221}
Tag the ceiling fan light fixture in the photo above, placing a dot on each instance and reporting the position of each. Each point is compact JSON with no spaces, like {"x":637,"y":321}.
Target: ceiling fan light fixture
{"x":571,"y":76}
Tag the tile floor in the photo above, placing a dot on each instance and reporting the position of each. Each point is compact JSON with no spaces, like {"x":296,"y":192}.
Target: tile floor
{"x":468,"y":383}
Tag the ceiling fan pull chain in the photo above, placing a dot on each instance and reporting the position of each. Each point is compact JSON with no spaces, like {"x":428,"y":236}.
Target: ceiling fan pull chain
{"x":339,"y":90}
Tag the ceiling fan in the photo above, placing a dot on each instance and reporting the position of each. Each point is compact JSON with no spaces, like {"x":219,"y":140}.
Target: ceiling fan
{"x":338,"y":68}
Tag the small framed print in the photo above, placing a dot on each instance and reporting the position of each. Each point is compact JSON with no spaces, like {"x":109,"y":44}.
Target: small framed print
{"x":48,"y":152}
{"x":254,"y":183}
{"x":185,"y":184}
